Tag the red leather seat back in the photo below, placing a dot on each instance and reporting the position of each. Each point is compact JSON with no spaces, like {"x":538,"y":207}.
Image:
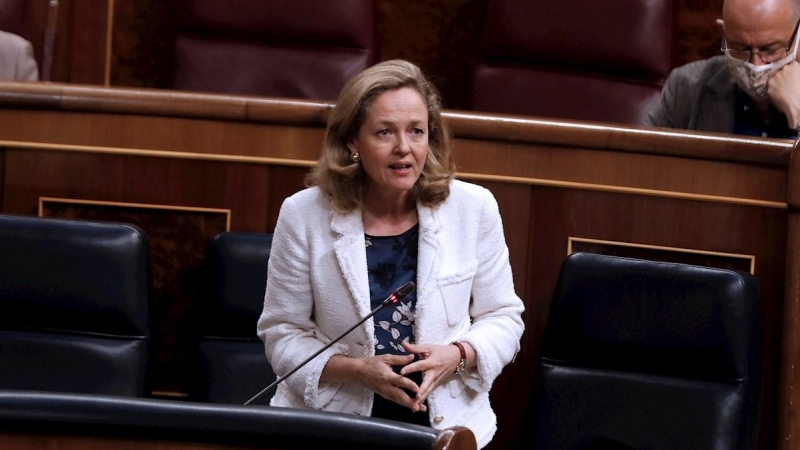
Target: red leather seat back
{"x":279,"y":48}
{"x":13,"y":15}
{"x":574,"y":59}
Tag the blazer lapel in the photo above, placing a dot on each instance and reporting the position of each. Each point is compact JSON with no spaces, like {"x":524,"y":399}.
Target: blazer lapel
{"x":427,"y":260}
{"x":351,"y":254}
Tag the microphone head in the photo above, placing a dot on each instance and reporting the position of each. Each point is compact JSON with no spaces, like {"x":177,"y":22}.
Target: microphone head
{"x":404,"y":290}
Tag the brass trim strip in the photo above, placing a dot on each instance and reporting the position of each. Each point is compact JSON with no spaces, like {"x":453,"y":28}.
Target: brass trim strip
{"x":751,"y":258}
{"x":71,"y":201}
{"x":625,"y":190}
{"x":157,"y":153}
{"x":461,"y":175}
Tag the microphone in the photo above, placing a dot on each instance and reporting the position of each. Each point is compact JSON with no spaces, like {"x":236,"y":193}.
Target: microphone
{"x":394,"y":297}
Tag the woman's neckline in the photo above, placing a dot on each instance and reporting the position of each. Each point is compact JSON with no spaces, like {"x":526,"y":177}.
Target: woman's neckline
{"x":381,"y":236}
{"x":392,"y":224}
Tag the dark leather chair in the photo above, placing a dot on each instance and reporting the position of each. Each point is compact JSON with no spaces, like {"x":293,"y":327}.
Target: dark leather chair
{"x":231,"y":363}
{"x":278,"y":48}
{"x":642,"y":354}
{"x":607,"y":62}
{"x":75,"y":306}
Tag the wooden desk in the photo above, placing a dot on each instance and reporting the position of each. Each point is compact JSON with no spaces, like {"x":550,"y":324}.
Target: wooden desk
{"x":186,"y":166}
{"x":38,"y":420}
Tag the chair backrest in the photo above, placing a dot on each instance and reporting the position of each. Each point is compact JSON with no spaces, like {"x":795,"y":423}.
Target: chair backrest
{"x":278,"y":48}
{"x":232,"y":365}
{"x":607,"y":62}
{"x":75,"y":306}
{"x":643,"y":354}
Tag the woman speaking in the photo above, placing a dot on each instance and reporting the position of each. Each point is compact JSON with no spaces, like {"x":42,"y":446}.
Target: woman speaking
{"x":383,"y":209}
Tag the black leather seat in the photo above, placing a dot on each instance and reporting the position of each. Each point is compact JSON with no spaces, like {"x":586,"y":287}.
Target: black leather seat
{"x":75,"y":306}
{"x":232,"y":365}
{"x":642,"y":354}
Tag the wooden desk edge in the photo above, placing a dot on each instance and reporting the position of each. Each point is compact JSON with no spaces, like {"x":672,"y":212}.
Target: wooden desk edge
{"x":493,"y":127}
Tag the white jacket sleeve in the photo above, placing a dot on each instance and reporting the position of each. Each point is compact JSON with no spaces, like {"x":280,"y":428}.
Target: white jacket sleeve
{"x":27,"y":69}
{"x":287,"y":324}
{"x":496,"y":310}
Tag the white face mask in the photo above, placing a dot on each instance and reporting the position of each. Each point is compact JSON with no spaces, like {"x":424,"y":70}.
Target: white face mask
{"x":752,"y":78}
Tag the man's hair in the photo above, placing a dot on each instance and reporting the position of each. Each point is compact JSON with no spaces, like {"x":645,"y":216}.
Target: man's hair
{"x":342,"y":180}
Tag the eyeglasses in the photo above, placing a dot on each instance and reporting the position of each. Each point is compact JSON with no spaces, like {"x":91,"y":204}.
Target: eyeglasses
{"x":767,"y":55}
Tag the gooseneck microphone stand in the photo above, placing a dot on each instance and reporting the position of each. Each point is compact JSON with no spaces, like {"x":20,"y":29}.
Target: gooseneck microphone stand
{"x":394,"y":297}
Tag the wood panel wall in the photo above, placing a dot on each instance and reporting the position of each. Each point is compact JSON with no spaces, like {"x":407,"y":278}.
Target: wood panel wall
{"x":629,"y":189}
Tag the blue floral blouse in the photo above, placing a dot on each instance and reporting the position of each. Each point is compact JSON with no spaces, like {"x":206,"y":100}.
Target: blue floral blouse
{"x":391,"y":262}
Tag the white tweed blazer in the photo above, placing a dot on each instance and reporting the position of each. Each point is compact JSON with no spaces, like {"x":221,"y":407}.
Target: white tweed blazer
{"x":16,"y":58}
{"x":318,"y":287}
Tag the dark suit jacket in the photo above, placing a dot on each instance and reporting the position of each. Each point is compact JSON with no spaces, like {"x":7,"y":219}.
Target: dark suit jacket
{"x":697,"y":96}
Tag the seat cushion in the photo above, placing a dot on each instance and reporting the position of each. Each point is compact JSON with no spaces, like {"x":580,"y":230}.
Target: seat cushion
{"x":234,"y":370}
{"x":597,"y":409}
{"x":77,"y":363}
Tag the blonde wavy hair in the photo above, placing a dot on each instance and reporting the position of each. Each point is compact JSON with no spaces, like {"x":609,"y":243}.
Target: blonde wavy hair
{"x":342,"y":180}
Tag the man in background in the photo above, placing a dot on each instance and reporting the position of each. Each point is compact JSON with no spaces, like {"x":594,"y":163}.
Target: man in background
{"x":16,"y":59}
{"x":753,"y":88}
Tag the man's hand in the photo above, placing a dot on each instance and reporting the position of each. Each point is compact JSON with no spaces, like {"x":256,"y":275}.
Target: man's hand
{"x":784,"y":92}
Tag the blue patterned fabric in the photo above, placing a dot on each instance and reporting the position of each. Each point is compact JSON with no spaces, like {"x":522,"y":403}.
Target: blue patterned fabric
{"x":391,"y":262}
{"x":748,"y":120}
